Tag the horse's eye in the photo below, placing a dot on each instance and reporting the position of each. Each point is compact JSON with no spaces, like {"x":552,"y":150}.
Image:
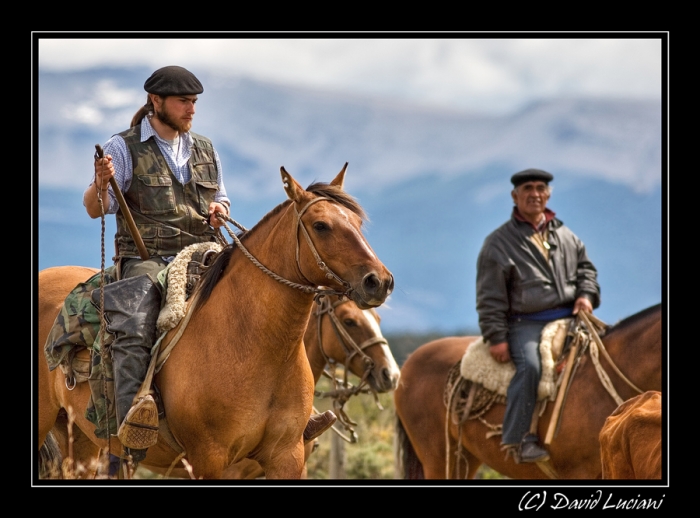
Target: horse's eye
{"x":320,"y":226}
{"x":349,"y":322}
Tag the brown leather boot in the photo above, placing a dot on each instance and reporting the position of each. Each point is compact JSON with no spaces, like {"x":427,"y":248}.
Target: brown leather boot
{"x":131,"y":309}
{"x":531,"y":451}
{"x":318,"y":423}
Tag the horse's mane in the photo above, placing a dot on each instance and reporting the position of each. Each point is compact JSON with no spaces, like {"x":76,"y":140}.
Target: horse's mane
{"x":339,"y":196}
{"x":213,"y":274}
{"x":633,"y":319}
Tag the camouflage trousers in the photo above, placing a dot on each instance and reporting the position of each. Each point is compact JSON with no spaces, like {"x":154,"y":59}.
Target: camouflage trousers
{"x":78,"y":326}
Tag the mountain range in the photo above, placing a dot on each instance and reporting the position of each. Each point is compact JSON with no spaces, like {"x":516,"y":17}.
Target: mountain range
{"x":434,"y":182}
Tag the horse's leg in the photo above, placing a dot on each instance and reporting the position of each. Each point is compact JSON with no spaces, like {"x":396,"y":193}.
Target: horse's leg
{"x":208,"y":459}
{"x":308,"y":450}
{"x":419,"y":404}
{"x":474,"y":465}
{"x":463,"y":464}
{"x":209,"y":465}
{"x":50,"y":458}
{"x":76,"y":445}
{"x":469,"y":463}
{"x":429,"y":444}
{"x":287,"y":464}
{"x":47,"y":402}
{"x":246,"y":469}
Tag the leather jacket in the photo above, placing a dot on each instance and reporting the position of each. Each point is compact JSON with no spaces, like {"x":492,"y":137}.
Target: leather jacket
{"x":514,"y":277}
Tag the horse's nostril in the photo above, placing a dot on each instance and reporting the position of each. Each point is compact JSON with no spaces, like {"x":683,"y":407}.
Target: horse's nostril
{"x":386,"y":375}
{"x":371,"y":282}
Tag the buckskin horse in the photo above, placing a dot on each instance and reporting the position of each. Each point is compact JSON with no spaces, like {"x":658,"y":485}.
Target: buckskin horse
{"x":635,"y":347}
{"x":238,"y":384}
{"x":338,"y":332}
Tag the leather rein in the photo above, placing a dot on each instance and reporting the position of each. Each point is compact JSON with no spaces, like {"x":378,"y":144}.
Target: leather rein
{"x":320,"y":291}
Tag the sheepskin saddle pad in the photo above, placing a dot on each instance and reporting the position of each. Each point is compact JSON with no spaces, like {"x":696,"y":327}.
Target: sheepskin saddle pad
{"x":478,"y":366}
{"x":176,"y":280}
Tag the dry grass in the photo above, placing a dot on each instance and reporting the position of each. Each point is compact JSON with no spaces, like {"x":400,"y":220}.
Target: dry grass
{"x":56,"y":463}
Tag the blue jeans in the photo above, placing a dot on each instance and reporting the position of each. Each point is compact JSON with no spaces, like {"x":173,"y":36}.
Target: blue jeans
{"x":521,"y":397}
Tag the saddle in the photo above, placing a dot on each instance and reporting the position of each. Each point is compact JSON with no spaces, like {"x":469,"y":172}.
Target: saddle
{"x":75,"y":341}
{"x":478,"y":381}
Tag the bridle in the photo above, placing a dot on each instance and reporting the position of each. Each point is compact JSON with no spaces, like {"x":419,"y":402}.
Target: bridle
{"x":319,"y":291}
{"x":321,"y":264}
{"x":343,"y":389}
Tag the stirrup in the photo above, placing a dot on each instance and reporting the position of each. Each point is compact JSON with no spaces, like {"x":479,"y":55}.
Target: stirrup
{"x":140,"y":427}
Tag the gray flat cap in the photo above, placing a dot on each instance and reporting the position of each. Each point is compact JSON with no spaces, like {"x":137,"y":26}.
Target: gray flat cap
{"x":529,"y":175}
{"x":173,"y":80}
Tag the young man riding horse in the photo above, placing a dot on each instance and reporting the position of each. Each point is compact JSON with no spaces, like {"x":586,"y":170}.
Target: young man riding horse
{"x":530,"y":271}
{"x":173,"y":186}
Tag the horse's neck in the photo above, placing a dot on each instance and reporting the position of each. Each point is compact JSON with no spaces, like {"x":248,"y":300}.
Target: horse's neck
{"x":282,"y":310}
{"x":636,"y":352}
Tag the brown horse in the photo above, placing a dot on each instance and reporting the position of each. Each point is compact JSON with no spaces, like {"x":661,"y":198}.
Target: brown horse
{"x":338,"y":332}
{"x":634,"y":345}
{"x":238,"y":384}
{"x":631,"y":439}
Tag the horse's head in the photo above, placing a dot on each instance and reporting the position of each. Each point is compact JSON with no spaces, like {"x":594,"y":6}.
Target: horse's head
{"x":351,"y":336}
{"x":331,"y":249}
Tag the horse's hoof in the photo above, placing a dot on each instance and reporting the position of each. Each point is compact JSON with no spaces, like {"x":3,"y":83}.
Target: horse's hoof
{"x":139,"y":430}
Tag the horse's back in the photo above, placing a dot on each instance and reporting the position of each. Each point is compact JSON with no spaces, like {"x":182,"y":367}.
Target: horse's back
{"x":53,"y":279}
{"x":436,"y":357}
{"x":630,"y":441}
{"x":54,"y":284}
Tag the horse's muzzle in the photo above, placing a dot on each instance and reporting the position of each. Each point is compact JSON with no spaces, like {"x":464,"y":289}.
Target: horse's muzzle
{"x":373,"y":290}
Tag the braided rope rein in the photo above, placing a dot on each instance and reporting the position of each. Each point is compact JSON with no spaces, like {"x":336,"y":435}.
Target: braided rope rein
{"x":319,"y":291}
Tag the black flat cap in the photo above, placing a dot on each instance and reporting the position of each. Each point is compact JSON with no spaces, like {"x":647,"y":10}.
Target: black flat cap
{"x":531,"y":175}
{"x":173,"y":80}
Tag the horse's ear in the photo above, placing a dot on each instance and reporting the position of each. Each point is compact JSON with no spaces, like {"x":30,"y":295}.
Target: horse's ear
{"x":291,"y":186}
{"x":339,"y":180}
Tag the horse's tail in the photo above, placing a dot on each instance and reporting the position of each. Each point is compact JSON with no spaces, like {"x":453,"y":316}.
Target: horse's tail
{"x":50,"y":458}
{"x":408,"y":465}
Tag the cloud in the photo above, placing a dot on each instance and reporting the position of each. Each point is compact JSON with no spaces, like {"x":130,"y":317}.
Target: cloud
{"x":494,"y":75}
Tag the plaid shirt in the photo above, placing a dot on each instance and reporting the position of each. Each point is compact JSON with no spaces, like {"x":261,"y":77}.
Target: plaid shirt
{"x":177,"y":159}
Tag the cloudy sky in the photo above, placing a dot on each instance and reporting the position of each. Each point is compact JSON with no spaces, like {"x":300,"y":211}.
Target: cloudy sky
{"x":491,"y":73}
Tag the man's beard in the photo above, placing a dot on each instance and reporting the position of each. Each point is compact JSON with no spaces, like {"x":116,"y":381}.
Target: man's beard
{"x":165,"y":118}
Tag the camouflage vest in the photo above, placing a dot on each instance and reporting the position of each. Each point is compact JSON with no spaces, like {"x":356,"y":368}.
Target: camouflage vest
{"x":169,"y":215}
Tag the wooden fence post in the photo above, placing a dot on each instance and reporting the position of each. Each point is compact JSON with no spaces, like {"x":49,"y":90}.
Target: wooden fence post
{"x":337,"y":457}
